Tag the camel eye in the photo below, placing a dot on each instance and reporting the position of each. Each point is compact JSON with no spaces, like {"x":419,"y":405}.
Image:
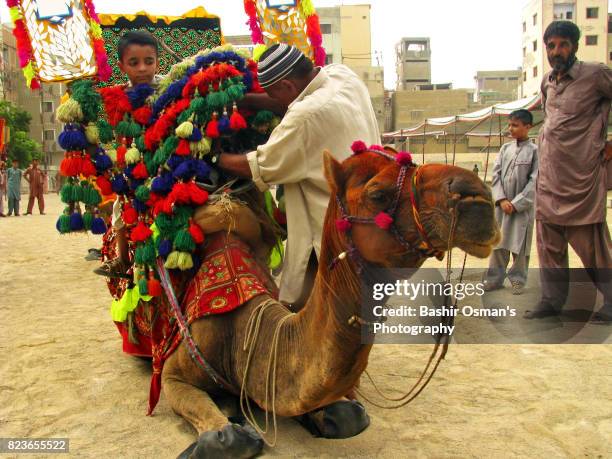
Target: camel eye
{"x":378,"y":196}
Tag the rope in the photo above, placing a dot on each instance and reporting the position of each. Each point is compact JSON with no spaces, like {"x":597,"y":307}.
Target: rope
{"x":411,"y":394}
{"x":250,"y":342}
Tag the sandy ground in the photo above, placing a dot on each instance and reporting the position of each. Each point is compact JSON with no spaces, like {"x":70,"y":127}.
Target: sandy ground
{"x":62,"y":374}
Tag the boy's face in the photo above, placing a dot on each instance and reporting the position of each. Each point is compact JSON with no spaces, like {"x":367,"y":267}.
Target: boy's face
{"x":139,"y":63}
{"x":518,"y":129}
{"x":15,"y":164}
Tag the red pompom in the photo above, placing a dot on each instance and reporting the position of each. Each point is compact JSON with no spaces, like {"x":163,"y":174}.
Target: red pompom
{"x":237,"y":121}
{"x":404,"y":158}
{"x":141,"y":232}
{"x":116,"y":103}
{"x":140,"y":171}
{"x":87,"y":167}
{"x":196,"y":233}
{"x":129,"y":214}
{"x":197,"y":194}
{"x":34,"y":84}
{"x":121,"y":151}
{"x":76,"y":165}
{"x":383,"y":220}
{"x":343,"y":225}
{"x":249,"y":8}
{"x":212,"y":129}
{"x":183,"y":148}
{"x":153,"y":287}
{"x":65,"y":165}
{"x":377,"y":148}
{"x":104,"y":184}
{"x":358,"y":146}
{"x":142,"y":115}
{"x":280,"y":217}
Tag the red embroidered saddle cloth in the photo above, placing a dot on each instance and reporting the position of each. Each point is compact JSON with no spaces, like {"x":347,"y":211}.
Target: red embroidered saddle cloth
{"x":228,"y":277}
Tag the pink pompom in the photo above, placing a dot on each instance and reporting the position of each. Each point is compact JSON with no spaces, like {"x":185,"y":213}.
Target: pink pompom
{"x":358,"y":146}
{"x":319,"y":55}
{"x":383,"y":220}
{"x":404,"y":158}
{"x":343,"y":225}
{"x":377,"y":147}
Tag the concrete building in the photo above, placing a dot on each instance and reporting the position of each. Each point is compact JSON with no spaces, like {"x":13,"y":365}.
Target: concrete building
{"x":240,"y":41}
{"x":591,"y":16}
{"x":40,"y":104}
{"x":413,"y":62}
{"x":347,"y":40}
{"x":496,"y":86}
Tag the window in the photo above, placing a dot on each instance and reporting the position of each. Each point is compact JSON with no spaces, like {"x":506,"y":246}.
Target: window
{"x":326,"y":28}
{"x":47,"y":107}
{"x":569,"y":15}
{"x":535,"y":19}
{"x":524,"y":51}
{"x":49,"y":134}
{"x":329,"y":59}
{"x":535,"y":71}
{"x":610,"y":57}
{"x":592,"y":13}
{"x":591,"y":40}
{"x":524,"y":27}
{"x":524,"y":76}
{"x":535,"y":45}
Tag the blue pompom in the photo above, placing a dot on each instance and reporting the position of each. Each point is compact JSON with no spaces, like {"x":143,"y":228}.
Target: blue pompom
{"x":165,"y":247}
{"x":224,"y":125}
{"x":98,"y":226}
{"x":139,"y":94}
{"x":184,"y":170}
{"x":162,"y":185}
{"x":174,"y":92}
{"x":76,"y":222}
{"x":201,"y":169}
{"x":127,"y":171}
{"x":103,"y":163}
{"x":119,"y":184}
{"x":196,"y":135}
{"x":72,"y":138}
{"x":139,"y":206}
{"x":175,"y":161}
{"x":248,"y":80}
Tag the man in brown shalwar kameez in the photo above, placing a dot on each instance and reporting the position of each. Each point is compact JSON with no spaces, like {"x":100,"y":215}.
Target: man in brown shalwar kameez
{"x":571,"y":186}
{"x":36,"y":179}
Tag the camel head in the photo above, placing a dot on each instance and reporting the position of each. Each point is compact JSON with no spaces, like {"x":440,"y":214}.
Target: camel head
{"x":398,"y":222}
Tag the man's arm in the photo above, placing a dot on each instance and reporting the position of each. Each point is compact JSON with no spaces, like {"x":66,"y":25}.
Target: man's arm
{"x":261,"y":101}
{"x":235,"y":164}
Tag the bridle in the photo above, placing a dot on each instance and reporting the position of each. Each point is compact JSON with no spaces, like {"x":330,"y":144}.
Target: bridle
{"x":386,"y":219}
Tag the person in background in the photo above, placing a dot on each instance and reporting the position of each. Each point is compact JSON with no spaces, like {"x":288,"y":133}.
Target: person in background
{"x":36,"y":179}
{"x":2,"y":187}
{"x":13,"y":180}
{"x":513,"y":183}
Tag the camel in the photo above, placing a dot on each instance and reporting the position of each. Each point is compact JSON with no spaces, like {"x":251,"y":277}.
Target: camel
{"x":320,"y":355}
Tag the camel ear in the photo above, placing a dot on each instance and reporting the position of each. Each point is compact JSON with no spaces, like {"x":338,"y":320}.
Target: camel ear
{"x":333,"y":171}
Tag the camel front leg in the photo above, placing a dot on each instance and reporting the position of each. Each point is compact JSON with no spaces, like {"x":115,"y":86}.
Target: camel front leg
{"x":218,"y":437}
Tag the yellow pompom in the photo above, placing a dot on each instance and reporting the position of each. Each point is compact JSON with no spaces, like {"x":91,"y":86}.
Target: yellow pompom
{"x":184,"y":130}
{"x":69,"y":112}
{"x":172,"y":260}
{"x":15,"y":14}
{"x":258,"y":51}
{"x":202,"y":147}
{"x":96,"y":30}
{"x":307,"y":8}
{"x":184,"y":261}
{"x":92,"y":133}
{"x":29,"y":73}
{"x":132,"y":156}
{"x":112,"y":154}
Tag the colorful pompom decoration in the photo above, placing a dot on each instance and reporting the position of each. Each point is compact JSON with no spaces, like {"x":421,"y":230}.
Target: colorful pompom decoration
{"x":383,"y":220}
{"x":343,"y":225}
{"x":358,"y":146}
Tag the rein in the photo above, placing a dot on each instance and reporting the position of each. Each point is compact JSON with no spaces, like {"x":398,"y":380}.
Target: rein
{"x":385,"y":220}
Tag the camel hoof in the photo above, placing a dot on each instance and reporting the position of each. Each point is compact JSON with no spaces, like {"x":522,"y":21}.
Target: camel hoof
{"x":342,"y":419}
{"x":231,"y":442}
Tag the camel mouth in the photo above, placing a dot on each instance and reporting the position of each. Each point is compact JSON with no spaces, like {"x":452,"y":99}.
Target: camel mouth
{"x":477,"y":250}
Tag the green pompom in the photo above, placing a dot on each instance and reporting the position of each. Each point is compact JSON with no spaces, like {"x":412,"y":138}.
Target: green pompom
{"x":122,"y":128}
{"x":262,"y":117}
{"x":169,"y":146}
{"x":87,"y":219}
{"x":159,"y":158}
{"x":139,"y":141}
{"x":199,"y":107}
{"x":148,"y":253}
{"x":138,"y":255}
{"x":77,"y":193}
{"x":143,"y":193}
{"x":105,"y":131}
{"x":64,"y":224}
{"x":236,"y":92}
{"x":66,"y":193}
{"x":216,"y":100}
{"x":142,"y":286}
{"x":184,"y":242}
{"x":133,"y":130}
{"x":184,"y":116}
{"x":89,"y":99}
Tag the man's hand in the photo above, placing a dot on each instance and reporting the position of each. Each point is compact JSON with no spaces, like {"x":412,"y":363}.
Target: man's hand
{"x":506,"y":207}
{"x":608,"y":151}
